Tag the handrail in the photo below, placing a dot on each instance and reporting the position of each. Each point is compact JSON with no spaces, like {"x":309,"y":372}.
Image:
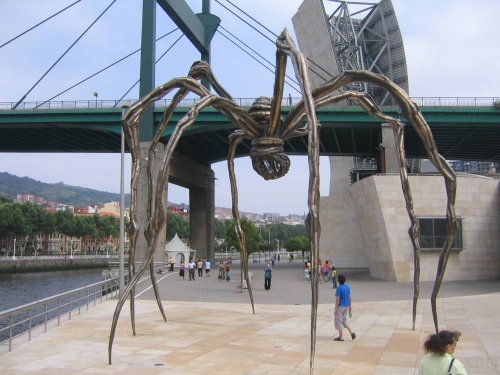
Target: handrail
{"x":39,"y":314}
{"x":53,"y":257}
{"x":242,"y":102}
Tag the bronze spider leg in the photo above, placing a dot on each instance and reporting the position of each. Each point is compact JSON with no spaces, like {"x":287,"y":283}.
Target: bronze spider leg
{"x":412,"y":113}
{"x":286,"y":44}
{"x":225,"y":106}
{"x":235,"y":139}
{"x":195,"y":72}
{"x":130,"y":124}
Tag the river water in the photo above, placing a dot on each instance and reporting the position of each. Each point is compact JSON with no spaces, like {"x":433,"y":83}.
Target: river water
{"x":20,"y":289}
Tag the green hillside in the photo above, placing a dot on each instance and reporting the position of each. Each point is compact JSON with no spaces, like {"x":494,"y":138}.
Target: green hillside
{"x":11,"y":185}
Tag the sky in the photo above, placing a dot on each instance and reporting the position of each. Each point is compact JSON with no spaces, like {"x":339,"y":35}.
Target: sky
{"x":451,"y":50}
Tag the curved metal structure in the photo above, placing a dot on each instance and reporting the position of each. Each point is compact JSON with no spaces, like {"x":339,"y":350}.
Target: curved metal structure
{"x":266,"y":128}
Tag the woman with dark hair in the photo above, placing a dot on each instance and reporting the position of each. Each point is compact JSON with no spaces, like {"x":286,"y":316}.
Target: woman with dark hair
{"x":439,"y":360}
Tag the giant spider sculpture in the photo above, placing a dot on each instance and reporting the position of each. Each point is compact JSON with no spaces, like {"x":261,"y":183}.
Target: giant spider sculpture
{"x":267,"y":130}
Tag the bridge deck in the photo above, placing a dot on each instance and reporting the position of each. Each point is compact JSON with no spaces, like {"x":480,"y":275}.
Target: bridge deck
{"x":461,"y":133}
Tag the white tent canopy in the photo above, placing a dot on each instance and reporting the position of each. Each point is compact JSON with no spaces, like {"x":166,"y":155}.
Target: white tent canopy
{"x":178,"y":251}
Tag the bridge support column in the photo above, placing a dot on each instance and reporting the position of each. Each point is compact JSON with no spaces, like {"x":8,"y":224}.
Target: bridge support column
{"x":200,"y":181}
{"x":142,"y":204}
{"x":390,"y":159}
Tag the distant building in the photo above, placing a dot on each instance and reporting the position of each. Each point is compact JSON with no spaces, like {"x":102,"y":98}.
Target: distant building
{"x":23,"y":198}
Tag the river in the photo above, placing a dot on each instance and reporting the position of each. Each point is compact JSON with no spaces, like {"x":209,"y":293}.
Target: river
{"x":20,"y":289}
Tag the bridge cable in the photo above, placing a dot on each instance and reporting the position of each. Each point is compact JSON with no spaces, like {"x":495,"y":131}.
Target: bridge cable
{"x":38,"y":24}
{"x":262,"y":57}
{"x":76,"y":41}
{"x":158,"y":60}
{"x":253,"y":57}
{"x":249,"y":16}
{"x":102,"y":70}
{"x":272,"y":41}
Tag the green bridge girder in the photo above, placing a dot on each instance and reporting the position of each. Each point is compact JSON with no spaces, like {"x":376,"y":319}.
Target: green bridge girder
{"x":461,"y":133}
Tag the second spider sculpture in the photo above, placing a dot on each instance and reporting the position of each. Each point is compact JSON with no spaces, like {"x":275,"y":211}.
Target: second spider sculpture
{"x":267,"y":130}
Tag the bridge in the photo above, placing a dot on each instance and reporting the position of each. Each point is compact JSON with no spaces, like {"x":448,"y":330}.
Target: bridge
{"x":462,"y":131}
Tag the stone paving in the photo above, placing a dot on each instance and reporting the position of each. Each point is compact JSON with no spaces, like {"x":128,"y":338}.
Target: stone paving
{"x":211,"y":330}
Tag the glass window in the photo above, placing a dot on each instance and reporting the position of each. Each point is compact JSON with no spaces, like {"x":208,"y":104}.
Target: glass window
{"x":433,"y":233}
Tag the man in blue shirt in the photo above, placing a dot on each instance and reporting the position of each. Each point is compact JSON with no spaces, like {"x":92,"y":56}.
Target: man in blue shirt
{"x":342,"y":307}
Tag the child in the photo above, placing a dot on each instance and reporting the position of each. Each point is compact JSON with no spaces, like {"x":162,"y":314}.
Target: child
{"x":181,"y":271}
{"x":334,"y":277}
{"x":306,"y":272}
{"x":342,"y":308}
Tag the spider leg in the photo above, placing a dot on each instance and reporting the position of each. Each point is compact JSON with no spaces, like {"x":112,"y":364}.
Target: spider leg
{"x":130,"y":124}
{"x":366,"y":102}
{"x":286,"y":44}
{"x":235,"y":139}
{"x":234,"y":114}
{"x":411,"y":112}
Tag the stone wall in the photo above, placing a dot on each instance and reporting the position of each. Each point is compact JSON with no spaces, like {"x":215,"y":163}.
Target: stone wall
{"x":341,"y":239}
{"x":381,"y":211}
{"x":20,"y":265}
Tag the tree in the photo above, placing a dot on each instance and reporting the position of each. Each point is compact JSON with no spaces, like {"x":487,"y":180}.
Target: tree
{"x":106,"y":226}
{"x":252,"y":237}
{"x":34,"y":216}
{"x":177,"y":224}
{"x":293,"y":244}
{"x":65,"y":225}
{"x":220,"y":227}
{"x":11,"y":221}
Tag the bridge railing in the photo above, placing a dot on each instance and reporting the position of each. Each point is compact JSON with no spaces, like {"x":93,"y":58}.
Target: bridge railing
{"x":242,"y":102}
{"x":22,"y":323}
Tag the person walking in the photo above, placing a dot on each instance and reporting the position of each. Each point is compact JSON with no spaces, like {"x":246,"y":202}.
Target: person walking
{"x":268,"y":275}
{"x":326,"y":270}
{"x":171,"y":264}
{"x":228,"y":271}
{"x":334,"y":277}
{"x":207,"y":267}
{"x":438,"y":360}
{"x":320,"y":271}
{"x":273,"y":258}
{"x":307,"y":272}
{"x":342,"y":307}
{"x":200,"y":268}
{"x":191,"y":268}
{"x":222,"y":271}
{"x":181,"y":270}
{"x":290,"y":99}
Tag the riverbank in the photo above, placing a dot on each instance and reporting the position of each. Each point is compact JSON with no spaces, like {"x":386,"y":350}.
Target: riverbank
{"x":41,"y":264}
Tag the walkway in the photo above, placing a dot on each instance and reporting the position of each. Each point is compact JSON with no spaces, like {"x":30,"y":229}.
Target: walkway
{"x":211,"y":330}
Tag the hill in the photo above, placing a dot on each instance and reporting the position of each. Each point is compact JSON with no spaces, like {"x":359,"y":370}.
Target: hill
{"x":11,"y":185}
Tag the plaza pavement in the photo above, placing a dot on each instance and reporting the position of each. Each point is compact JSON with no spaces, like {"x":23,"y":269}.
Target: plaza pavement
{"x":211,"y":329}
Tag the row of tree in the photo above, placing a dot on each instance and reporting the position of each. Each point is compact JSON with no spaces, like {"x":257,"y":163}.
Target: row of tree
{"x":27,"y":223}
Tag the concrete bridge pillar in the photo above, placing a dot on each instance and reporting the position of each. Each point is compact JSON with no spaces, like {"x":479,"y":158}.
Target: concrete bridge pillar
{"x":142,"y":204}
{"x":390,"y":152}
{"x":190,"y":174}
{"x":200,"y":181}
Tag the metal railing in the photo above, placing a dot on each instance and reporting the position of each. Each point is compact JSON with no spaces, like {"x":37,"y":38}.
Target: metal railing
{"x":53,"y":257}
{"x":242,"y":102}
{"x":20,"y":324}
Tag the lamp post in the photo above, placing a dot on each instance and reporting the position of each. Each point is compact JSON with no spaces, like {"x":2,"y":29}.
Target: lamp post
{"x":121,"y":252}
{"x":14,"y":256}
{"x":96,"y":94}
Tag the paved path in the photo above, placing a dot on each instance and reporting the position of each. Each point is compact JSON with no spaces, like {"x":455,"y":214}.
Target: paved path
{"x":289,"y":287}
{"x":204,"y":336}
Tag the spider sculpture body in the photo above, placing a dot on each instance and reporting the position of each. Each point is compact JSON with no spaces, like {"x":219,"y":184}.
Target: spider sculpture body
{"x":267,"y":130}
